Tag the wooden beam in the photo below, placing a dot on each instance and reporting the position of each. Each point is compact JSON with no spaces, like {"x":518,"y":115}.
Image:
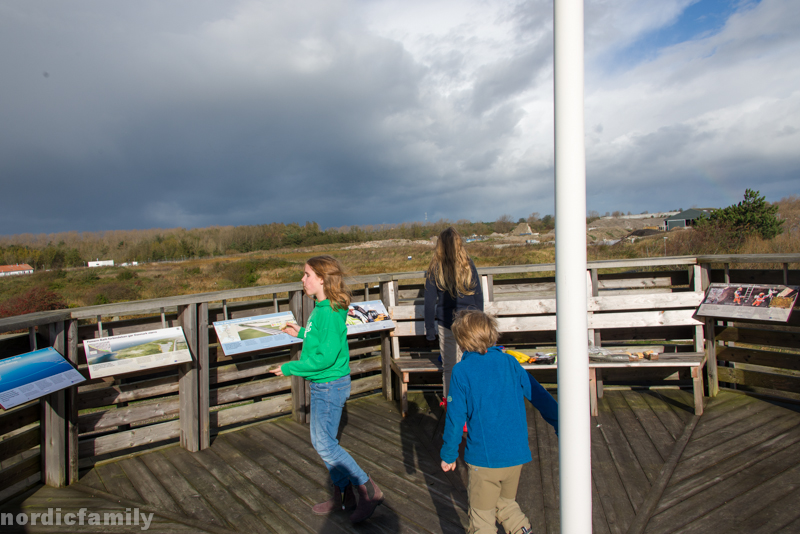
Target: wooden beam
{"x":54,"y":423}
{"x":711,"y":353}
{"x":299,"y":407}
{"x":758,"y":379}
{"x":32,"y":338}
{"x":72,"y":405}
{"x":188,"y":382}
{"x":203,"y":381}
{"x":386,"y":348}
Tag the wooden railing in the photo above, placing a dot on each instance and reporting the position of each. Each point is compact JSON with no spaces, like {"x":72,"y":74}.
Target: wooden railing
{"x":50,"y":440}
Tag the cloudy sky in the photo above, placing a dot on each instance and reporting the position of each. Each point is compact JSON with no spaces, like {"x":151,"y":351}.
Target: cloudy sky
{"x":192,"y":113}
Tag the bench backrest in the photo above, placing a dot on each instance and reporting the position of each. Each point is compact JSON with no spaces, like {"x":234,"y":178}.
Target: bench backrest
{"x":618,"y":315}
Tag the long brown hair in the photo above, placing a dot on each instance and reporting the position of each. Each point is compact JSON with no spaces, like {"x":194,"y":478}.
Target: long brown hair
{"x":449,"y":268}
{"x":332,"y":273}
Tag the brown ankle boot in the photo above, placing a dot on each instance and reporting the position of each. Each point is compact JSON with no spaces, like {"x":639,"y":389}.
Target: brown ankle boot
{"x":369,"y":497}
{"x":340,"y":501}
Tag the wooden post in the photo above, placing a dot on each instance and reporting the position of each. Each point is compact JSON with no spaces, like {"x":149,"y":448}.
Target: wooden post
{"x":594,"y":290}
{"x":275,"y":303}
{"x":386,"y":350}
{"x":391,"y":297}
{"x":697,"y":388}
{"x":32,"y":338}
{"x":486,"y":288}
{"x":596,"y":375}
{"x":203,"y":365}
{"x":366,"y":292}
{"x":72,"y":405}
{"x":710,"y":335}
{"x":188,"y":382}
{"x":786,"y":274}
{"x":54,"y":423}
{"x":163,"y":317}
{"x":298,"y":382}
{"x":308,"y":309}
{"x":697,"y":282}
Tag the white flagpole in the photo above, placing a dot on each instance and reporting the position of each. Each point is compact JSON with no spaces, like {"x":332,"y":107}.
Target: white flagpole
{"x":571,"y":295}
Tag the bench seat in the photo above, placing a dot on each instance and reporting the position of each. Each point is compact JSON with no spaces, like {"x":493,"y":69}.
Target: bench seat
{"x":693,"y":361}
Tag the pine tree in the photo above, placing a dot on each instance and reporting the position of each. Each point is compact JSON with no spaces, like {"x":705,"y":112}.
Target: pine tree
{"x":753,"y":215}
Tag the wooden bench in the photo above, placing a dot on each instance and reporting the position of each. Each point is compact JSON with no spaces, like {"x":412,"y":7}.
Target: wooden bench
{"x":641,"y":312}
{"x":694,"y":362}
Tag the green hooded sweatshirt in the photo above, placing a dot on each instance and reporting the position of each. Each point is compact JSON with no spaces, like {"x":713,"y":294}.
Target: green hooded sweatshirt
{"x":325,"y":356}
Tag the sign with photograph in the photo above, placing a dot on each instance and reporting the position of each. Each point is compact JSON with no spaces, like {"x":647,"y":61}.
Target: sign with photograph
{"x":370,"y":316}
{"x":33,"y":375}
{"x":108,"y":356}
{"x":247,"y":334}
{"x":749,"y":301}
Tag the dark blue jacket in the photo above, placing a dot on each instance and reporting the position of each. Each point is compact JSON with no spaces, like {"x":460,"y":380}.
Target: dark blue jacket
{"x":487,"y":392}
{"x":440,"y":305}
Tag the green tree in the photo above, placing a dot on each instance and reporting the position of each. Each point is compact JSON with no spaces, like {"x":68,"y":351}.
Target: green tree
{"x":753,"y":215}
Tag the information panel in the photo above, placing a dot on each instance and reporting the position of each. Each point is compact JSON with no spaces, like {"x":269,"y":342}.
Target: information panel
{"x":247,"y":334}
{"x":33,"y":375}
{"x":749,"y":301}
{"x":370,"y":316}
{"x":108,"y":356}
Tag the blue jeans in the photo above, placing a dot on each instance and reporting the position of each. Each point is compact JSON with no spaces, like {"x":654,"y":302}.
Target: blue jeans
{"x":327,"y":402}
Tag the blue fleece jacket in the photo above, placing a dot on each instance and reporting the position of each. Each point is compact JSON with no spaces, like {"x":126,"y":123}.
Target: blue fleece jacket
{"x":487,"y":392}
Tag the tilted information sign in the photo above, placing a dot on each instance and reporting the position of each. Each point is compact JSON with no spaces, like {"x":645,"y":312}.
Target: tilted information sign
{"x":760,"y":302}
{"x":370,"y":316}
{"x":33,"y":375}
{"x":247,"y":334}
{"x":126,"y":353}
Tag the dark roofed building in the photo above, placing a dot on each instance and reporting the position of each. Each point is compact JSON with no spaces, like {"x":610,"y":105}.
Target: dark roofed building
{"x":686,"y":218}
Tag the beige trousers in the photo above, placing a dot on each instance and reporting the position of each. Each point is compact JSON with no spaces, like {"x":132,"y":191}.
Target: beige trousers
{"x":492,"y":497}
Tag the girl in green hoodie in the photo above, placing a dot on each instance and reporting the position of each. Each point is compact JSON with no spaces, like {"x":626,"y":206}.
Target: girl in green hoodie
{"x":325,"y":363}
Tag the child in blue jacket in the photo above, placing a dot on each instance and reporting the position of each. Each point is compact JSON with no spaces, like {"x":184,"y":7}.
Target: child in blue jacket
{"x":487,"y":391}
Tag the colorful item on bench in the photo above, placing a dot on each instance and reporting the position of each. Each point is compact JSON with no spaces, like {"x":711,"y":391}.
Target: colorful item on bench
{"x":602,"y":354}
{"x":520,"y":357}
{"x":541,"y":358}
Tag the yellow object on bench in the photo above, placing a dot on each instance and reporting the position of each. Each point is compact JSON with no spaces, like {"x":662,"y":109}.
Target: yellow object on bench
{"x":521,"y":357}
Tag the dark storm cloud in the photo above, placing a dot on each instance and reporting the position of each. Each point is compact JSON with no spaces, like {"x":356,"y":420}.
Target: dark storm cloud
{"x":166,"y":140}
{"x":163,"y":114}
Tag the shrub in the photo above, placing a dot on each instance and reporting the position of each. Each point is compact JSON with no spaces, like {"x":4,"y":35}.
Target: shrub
{"x":127,"y":275}
{"x":36,"y":299}
{"x":113,"y":292}
{"x":246,"y":273}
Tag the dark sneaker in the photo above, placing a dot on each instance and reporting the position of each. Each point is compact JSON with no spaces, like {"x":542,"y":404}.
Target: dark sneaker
{"x":339,"y":501}
{"x":369,"y":497}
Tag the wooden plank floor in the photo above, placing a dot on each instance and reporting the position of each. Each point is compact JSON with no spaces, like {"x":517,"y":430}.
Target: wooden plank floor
{"x":656,"y":468}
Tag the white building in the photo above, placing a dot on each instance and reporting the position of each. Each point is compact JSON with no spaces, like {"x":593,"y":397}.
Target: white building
{"x":11,"y":270}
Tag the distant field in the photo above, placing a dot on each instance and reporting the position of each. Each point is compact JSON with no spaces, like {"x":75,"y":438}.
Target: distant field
{"x":85,"y":287}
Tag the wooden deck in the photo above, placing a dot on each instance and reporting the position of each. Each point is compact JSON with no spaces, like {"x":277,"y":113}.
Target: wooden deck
{"x":656,"y":468}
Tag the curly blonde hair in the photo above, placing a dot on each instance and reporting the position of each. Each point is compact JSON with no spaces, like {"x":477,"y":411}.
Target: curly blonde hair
{"x":475,"y":331}
{"x":449,"y":268}
{"x":332,"y":274}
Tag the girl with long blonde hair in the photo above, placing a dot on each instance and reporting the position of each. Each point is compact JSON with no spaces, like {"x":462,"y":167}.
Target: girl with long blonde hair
{"x":325,"y":363}
{"x":452,"y":284}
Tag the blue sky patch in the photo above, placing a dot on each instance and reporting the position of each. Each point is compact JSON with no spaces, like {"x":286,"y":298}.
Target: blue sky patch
{"x":699,"y":20}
